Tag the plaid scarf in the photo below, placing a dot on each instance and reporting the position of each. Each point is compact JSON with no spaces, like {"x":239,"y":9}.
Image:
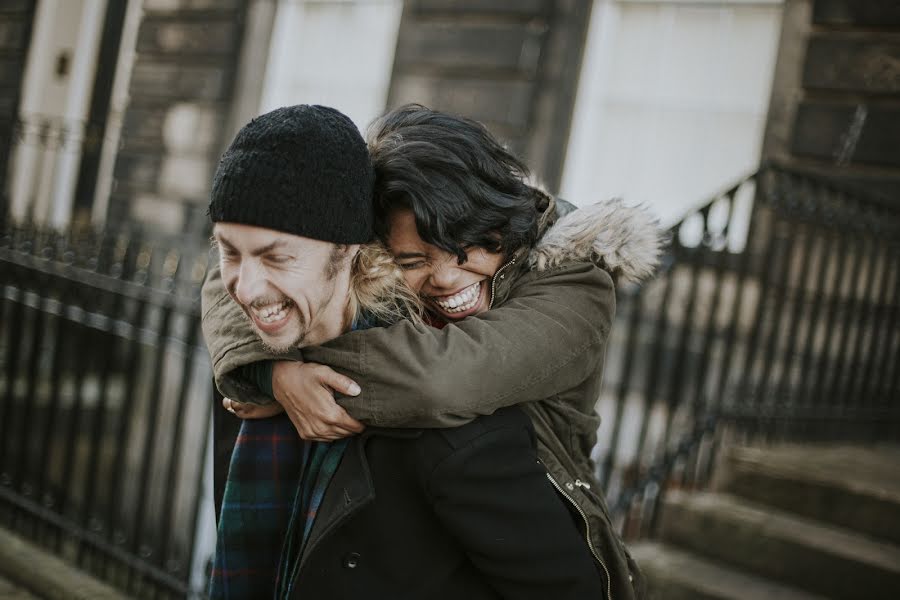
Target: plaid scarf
{"x":322,"y":460}
{"x":276,"y":482}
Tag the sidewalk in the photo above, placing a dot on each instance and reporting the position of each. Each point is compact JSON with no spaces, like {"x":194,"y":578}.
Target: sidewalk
{"x":10,"y":591}
{"x":49,"y":576}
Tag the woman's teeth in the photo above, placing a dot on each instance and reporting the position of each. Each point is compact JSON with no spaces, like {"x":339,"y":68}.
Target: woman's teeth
{"x":271,"y":313}
{"x":461,"y":301}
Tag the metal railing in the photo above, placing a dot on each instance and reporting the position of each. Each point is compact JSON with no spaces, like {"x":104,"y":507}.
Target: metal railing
{"x":104,"y":402}
{"x":774,"y":316}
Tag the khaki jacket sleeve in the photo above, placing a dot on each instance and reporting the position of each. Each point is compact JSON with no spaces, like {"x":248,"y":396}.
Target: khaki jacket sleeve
{"x":548,"y":336}
{"x":231,"y":341}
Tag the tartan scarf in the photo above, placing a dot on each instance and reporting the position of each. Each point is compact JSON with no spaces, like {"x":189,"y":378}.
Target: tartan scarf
{"x":322,"y":461}
{"x":276,"y":482}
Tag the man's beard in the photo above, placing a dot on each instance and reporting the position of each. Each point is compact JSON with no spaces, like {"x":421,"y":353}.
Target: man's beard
{"x":284,"y":350}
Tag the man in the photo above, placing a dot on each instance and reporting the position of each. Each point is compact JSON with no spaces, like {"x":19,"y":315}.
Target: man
{"x":462,"y":512}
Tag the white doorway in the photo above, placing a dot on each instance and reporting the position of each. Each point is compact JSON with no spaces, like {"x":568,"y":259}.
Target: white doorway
{"x":672,"y":101}
{"x":339,"y":54}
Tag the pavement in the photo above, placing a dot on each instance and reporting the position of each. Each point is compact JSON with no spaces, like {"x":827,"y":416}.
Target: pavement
{"x":28,"y":572}
{"x":11,"y":591}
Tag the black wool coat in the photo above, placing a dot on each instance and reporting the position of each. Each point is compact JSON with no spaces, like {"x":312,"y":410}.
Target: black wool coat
{"x":446,"y":514}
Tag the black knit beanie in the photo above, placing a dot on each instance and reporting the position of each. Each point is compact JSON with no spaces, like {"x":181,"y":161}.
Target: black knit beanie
{"x":304,"y":170}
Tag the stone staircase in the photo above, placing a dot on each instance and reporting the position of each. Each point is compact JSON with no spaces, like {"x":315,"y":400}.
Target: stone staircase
{"x":783,"y":523}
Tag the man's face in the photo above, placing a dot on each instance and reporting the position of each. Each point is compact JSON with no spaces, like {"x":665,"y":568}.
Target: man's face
{"x":293,"y":289}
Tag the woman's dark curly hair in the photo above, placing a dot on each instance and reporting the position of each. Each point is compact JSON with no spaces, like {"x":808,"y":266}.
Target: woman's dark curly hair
{"x":465,"y":189}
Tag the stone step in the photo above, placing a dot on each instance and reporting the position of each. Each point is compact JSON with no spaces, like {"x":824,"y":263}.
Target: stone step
{"x":673,"y":574}
{"x":11,"y":591}
{"x":853,"y":487}
{"x":780,"y":546}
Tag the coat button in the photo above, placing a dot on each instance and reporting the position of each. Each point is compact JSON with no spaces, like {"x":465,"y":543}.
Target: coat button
{"x":351,"y":560}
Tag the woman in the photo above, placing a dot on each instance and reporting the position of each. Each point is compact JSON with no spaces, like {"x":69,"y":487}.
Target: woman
{"x":529,"y":297}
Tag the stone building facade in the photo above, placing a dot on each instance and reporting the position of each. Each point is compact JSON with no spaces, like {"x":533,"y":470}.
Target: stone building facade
{"x":661,"y":102}
{"x":835,"y":108}
{"x":188,"y":74}
{"x":180,"y":97}
{"x":119,"y":109}
{"x":16,"y":19}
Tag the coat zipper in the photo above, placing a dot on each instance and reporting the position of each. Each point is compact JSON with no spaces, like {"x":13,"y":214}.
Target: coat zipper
{"x":494,"y":280}
{"x":587,"y":533}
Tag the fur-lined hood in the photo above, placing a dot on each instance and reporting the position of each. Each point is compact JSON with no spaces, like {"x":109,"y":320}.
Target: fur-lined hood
{"x":624,"y":240}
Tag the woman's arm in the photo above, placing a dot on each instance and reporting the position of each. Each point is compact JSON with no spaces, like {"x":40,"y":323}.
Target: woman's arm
{"x":549,"y":336}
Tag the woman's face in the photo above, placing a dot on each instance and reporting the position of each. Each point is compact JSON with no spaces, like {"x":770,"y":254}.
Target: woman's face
{"x":450,"y":290}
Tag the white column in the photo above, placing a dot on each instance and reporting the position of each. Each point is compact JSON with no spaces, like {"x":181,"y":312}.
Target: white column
{"x":82,"y":75}
{"x":28,"y":150}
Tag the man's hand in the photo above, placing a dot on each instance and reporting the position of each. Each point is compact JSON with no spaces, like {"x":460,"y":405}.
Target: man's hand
{"x":306,"y":391}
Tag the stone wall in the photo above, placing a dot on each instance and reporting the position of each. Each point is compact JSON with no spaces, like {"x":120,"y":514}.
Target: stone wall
{"x":512,"y":64}
{"x":835,"y":106}
{"x":180,"y":98}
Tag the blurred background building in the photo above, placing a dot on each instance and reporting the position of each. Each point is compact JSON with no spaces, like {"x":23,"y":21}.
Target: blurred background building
{"x":116,"y":111}
{"x":775,"y":312}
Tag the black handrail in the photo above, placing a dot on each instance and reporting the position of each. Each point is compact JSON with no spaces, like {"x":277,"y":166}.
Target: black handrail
{"x":787,"y":331}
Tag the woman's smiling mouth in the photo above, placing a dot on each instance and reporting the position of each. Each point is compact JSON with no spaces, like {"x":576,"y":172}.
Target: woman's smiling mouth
{"x":460,"y":302}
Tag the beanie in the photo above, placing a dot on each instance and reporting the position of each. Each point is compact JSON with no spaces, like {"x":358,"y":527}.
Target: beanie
{"x":303,"y":170}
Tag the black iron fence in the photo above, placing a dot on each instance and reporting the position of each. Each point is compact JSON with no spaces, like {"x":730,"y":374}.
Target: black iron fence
{"x":775,"y":316}
{"x":105,"y":409}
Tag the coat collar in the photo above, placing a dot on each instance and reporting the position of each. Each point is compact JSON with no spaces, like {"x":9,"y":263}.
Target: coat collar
{"x":502,"y":280}
{"x":624,"y":240}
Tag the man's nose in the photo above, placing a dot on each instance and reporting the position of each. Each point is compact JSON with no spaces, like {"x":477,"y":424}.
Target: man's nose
{"x":251,"y":283}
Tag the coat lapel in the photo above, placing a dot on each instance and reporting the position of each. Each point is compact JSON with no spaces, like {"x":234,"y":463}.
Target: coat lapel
{"x":350,"y":489}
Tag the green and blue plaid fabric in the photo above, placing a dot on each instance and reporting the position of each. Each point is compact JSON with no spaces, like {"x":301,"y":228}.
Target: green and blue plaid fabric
{"x":276,"y":482}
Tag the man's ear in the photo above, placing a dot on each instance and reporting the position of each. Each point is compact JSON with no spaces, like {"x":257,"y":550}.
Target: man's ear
{"x":341,"y":254}
{"x":345,"y":252}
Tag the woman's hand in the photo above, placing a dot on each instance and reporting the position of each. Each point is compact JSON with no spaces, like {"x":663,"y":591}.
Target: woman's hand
{"x":306,"y":391}
{"x":248,"y":410}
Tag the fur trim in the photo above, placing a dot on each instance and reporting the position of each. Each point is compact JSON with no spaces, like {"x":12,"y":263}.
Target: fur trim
{"x":624,"y":240}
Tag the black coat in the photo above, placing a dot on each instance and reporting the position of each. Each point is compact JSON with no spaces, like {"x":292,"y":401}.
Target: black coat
{"x":454,"y":513}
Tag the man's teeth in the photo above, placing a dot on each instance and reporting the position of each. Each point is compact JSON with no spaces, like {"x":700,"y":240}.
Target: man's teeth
{"x":462,"y":301}
{"x":272,"y":312}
